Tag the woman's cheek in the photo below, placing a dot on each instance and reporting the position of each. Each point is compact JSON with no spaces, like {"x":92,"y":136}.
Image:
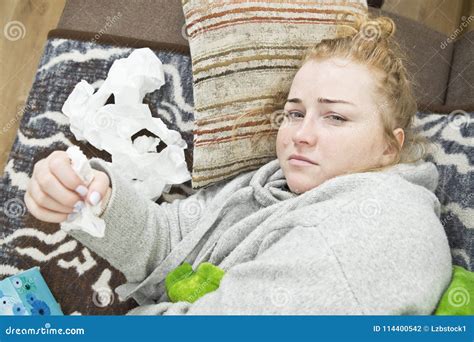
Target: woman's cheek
{"x":334,"y":154}
{"x":283,"y":138}
{"x":280,"y":146}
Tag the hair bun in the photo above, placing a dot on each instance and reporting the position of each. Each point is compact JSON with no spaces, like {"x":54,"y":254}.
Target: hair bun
{"x":377,"y":29}
{"x":363,"y":27}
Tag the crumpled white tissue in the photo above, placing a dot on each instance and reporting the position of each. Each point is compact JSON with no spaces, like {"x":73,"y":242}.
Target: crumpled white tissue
{"x":86,"y":219}
{"x":110,"y":127}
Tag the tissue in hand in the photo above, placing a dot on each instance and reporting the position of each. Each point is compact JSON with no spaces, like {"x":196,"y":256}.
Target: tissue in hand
{"x":110,"y":127}
{"x":86,"y":219}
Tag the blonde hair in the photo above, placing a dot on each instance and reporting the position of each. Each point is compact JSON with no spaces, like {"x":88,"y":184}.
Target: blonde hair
{"x":370,"y":41}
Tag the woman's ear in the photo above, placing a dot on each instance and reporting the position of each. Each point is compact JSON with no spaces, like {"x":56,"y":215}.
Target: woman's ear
{"x":390,"y":152}
{"x":400,"y":136}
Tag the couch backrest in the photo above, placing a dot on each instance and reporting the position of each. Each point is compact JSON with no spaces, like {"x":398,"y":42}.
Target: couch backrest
{"x":438,"y":85}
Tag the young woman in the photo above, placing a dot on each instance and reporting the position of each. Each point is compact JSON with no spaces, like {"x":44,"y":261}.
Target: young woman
{"x":344,"y":221}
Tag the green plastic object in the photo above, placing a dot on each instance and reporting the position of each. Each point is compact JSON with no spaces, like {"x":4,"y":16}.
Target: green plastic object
{"x":184,"y":284}
{"x":458,"y":299}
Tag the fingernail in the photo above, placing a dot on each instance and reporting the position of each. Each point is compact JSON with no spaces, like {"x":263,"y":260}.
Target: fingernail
{"x":71,"y":217}
{"x":94,"y":198}
{"x":78,"y":206}
{"x":81,"y":190}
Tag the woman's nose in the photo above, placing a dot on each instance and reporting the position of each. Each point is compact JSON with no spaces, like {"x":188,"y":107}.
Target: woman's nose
{"x":305,"y":132}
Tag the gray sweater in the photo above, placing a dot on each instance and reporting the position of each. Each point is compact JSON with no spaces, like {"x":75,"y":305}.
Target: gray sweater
{"x":359,"y":244}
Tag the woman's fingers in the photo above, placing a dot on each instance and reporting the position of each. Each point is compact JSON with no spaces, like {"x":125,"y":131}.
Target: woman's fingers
{"x":56,"y":191}
{"x":41,"y":213}
{"x":46,"y":173}
{"x":51,"y":186}
{"x":45,"y":201}
{"x":98,"y":187}
{"x":59,"y":164}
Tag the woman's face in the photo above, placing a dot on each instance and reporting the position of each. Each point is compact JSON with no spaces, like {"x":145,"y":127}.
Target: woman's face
{"x":333,"y":121}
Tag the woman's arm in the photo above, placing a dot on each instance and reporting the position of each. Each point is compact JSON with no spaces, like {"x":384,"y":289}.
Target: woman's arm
{"x":139,"y":233}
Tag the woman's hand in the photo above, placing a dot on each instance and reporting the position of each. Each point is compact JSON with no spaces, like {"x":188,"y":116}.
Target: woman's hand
{"x":55,"y":190}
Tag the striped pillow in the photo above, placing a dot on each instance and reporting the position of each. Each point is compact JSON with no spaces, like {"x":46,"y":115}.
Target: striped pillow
{"x":243,"y":54}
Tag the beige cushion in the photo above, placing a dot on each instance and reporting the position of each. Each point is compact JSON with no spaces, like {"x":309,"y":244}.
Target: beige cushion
{"x":243,"y":53}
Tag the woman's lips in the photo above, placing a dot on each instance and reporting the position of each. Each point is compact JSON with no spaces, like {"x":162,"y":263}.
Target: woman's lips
{"x":298,"y":162}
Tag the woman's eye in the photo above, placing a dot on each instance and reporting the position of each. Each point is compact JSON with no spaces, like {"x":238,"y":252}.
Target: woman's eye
{"x":336,"y":117}
{"x":295,"y":115}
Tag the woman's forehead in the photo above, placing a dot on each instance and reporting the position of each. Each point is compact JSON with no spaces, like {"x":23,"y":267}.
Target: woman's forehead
{"x":336,"y":70}
{"x":333,"y":79}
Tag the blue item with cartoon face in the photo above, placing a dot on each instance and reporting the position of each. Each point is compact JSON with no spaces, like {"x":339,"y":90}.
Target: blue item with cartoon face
{"x":26,"y":293}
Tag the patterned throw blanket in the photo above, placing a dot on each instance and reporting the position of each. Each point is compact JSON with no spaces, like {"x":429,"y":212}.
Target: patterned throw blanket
{"x":453,"y":154}
{"x":81,"y":281}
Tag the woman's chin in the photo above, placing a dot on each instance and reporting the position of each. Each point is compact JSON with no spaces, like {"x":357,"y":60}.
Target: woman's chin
{"x":298,"y":183}
{"x":298,"y":187}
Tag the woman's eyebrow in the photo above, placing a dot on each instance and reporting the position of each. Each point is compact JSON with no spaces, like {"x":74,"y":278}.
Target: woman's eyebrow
{"x":325,"y":100}
{"x":295,"y":100}
{"x":321,"y":100}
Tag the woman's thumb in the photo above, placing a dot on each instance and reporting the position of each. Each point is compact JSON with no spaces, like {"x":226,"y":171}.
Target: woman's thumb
{"x":98,"y":187}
